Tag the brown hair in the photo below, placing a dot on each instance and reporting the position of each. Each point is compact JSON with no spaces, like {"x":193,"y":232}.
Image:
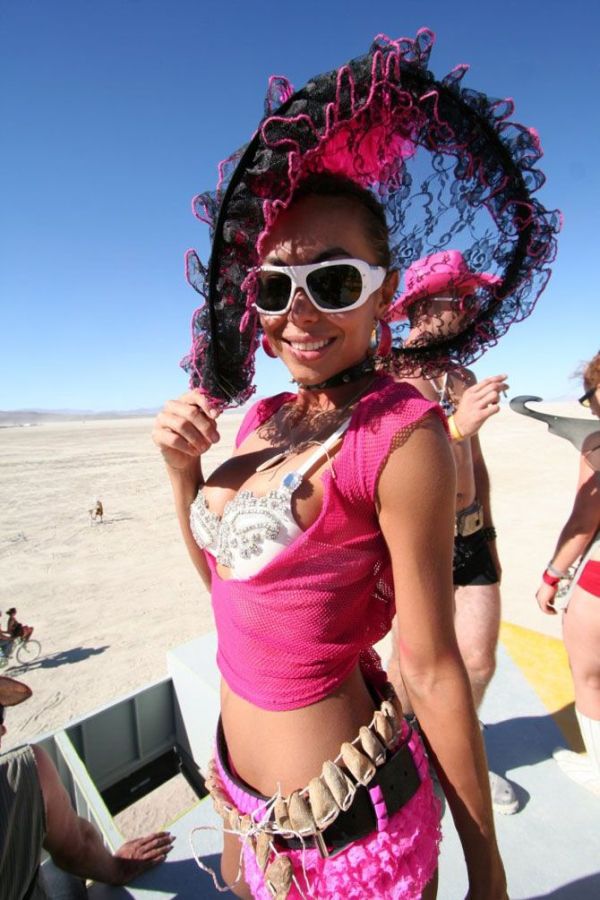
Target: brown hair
{"x":591,"y":372}
{"x":328,"y":184}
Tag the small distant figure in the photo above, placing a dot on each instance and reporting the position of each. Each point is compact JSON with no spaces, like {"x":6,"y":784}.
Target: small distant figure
{"x":97,"y":512}
{"x":15,"y":628}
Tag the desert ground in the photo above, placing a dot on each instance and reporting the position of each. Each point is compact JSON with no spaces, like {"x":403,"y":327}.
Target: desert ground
{"x":108,"y":600}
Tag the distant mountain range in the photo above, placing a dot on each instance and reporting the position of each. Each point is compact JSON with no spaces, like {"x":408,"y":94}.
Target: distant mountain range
{"x":23,"y":417}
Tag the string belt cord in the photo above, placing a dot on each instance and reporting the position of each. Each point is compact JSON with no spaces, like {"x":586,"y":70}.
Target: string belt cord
{"x":257,"y":828}
{"x":261,"y":822}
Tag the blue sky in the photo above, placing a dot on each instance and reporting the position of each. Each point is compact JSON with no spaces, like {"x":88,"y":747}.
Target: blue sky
{"x":115,"y":113}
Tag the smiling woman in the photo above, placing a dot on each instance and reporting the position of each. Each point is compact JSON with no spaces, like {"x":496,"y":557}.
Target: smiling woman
{"x":336,"y":510}
{"x":294,"y":648}
{"x":317,"y":334}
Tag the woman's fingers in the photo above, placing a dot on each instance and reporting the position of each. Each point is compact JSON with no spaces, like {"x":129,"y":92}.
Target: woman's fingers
{"x":197,"y":432}
{"x":200,"y":418}
{"x":187,"y":425}
{"x":193,"y":398}
{"x":167,"y":439}
{"x":545,"y":599}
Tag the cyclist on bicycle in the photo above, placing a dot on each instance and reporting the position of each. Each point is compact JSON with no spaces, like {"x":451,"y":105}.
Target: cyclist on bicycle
{"x":15,"y":628}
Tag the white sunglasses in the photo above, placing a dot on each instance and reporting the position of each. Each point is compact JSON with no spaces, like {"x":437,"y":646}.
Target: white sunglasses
{"x":334,"y":286}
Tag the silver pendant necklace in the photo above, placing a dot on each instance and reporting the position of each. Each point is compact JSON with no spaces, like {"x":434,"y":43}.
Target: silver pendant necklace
{"x":294,"y":448}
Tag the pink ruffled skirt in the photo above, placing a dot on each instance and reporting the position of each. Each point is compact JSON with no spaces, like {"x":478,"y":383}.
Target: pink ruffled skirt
{"x":394,"y":863}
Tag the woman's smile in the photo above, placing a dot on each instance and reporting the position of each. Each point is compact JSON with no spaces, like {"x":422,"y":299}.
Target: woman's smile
{"x":314,"y":345}
{"x":309,"y":349}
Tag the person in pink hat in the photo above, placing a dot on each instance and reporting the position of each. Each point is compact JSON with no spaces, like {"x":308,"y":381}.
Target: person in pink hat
{"x":439,"y":276}
{"x":441,"y":294}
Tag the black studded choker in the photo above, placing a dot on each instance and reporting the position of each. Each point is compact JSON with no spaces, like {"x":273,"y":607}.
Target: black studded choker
{"x":346,"y":376}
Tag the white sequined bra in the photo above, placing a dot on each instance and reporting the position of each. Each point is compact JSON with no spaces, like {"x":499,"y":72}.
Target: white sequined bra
{"x":253,"y":530}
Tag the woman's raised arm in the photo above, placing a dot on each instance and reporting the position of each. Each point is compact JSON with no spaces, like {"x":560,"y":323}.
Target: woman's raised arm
{"x":577,"y":531}
{"x":183,"y":431}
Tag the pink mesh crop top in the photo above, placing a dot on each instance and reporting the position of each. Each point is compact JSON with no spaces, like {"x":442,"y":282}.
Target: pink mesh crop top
{"x":291,"y":633}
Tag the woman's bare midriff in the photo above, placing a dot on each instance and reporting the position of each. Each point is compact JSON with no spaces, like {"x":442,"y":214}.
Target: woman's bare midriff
{"x":285,"y":749}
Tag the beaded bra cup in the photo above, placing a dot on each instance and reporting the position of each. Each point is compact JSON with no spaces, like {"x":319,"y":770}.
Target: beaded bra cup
{"x":253,"y":529}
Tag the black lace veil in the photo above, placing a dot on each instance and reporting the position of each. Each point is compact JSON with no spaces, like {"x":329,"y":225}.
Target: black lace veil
{"x":449,"y":166}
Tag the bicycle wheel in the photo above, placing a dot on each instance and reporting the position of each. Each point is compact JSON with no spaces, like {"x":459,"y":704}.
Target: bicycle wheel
{"x":28,"y":651}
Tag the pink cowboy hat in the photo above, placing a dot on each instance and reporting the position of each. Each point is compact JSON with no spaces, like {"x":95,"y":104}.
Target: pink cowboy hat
{"x":437,"y":274}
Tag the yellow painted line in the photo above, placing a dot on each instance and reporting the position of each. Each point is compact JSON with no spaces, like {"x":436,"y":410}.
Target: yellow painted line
{"x":544,"y":663}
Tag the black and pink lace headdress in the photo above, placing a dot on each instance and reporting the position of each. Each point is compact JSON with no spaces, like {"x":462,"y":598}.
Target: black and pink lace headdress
{"x":452,"y":171}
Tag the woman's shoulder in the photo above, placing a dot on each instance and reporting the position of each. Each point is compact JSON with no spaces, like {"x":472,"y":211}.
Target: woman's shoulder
{"x":381,"y":419}
{"x":393,"y":400}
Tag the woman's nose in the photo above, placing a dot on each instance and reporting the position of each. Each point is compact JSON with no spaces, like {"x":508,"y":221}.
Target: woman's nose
{"x":302,"y":306}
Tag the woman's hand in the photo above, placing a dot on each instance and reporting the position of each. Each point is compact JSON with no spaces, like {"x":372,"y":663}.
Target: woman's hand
{"x":545,"y":596}
{"x":184,"y":430}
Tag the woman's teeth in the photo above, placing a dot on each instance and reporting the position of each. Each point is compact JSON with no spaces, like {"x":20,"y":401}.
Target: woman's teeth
{"x":308,"y":345}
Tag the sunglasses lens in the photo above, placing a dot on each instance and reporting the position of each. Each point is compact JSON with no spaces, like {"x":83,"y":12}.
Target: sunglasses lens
{"x":586,"y":400}
{"x":273,"y":291}
{"x":335,"y":287}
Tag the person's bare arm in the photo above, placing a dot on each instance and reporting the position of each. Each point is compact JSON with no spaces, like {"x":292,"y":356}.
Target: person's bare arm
{"x":76,"y":846}
{"x":483,"y":493}
{"x":417,"y":496}
{"x":577,"y":531}
{"x":183,"y":431}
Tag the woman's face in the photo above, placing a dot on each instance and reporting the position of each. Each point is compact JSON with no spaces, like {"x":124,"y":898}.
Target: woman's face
{"x":312,"y":344}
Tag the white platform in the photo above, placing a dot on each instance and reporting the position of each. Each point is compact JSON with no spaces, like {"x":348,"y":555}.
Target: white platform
{"x":551,"y":848}
{"x":196,"y":682}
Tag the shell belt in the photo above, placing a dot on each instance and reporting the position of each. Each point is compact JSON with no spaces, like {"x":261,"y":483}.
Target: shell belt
{"x":306,"y":813}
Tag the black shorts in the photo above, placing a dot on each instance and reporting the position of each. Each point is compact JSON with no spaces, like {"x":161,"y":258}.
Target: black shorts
{"x":472,"y":563}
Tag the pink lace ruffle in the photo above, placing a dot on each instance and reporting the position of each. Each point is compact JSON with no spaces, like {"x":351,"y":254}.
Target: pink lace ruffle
{"x":395,"y":864}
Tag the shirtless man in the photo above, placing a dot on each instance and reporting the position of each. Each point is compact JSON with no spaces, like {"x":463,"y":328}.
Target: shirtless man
{"x":439,"y":299}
